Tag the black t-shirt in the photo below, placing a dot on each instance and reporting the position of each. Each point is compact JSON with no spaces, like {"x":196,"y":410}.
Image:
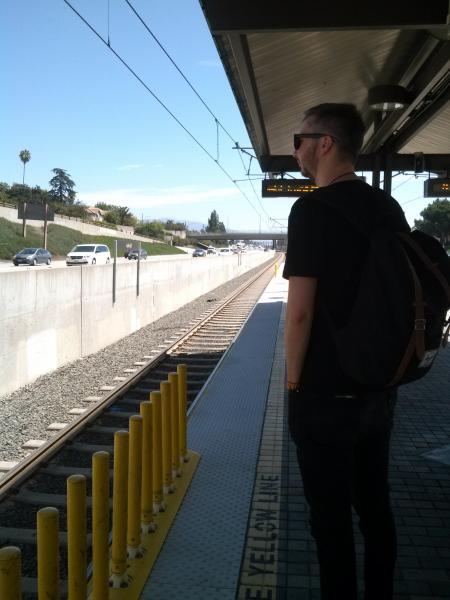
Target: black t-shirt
{"x":323,"y":243}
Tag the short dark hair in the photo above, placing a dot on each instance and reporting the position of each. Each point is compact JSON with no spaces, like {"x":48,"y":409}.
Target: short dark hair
{"x":342,"y":121}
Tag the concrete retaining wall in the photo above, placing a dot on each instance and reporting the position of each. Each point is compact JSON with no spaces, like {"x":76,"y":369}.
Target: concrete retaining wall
{"x":49,"y":317}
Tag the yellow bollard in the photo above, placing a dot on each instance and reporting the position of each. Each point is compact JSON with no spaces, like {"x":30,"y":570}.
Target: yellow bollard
{"x":76,"y":537}
{"x":100,"y":525}
{"x":147,"y":521}
{"x":182,"y":400}
{"x":47,"y":532}
{"x":276,"y":269}
{"x":166,"y":408}
{"x":10,"y":573}
{"x":175,"y":416}
{"x":119,"y":517}
{"x":158,"y":503}
{"x":134,"y":487}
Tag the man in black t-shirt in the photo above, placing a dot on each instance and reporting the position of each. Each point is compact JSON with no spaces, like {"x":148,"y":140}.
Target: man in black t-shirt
{"x":341,"y":431}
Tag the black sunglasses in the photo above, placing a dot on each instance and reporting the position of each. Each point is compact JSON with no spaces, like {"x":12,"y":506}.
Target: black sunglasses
{"x":299,"y":136}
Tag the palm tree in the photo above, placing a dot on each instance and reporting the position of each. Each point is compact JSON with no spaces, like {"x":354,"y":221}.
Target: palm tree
{"x":24,"y":156}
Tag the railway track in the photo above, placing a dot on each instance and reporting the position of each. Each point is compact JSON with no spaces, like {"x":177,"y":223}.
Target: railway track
{"x":40,"y":480}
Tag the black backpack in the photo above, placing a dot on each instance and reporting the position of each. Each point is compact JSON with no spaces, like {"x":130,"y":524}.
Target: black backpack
{"x":397,"y":321}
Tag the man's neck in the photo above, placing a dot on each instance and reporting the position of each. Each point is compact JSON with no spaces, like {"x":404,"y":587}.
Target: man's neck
{"x":342,"y":172}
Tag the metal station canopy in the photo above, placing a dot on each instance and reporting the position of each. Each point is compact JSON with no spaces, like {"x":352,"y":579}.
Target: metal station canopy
{"x":283,"y":57}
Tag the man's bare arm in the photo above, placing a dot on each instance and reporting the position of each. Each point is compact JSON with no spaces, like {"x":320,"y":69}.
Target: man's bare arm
{"x":299,"y":317}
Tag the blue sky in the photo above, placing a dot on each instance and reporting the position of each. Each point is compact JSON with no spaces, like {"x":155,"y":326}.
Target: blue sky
{"x":69,"y":101}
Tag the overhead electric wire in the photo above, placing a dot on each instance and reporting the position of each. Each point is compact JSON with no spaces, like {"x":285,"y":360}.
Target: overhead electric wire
{"x":218,"y":123}
{"x":259,"y":201}
{"x":403,"y":183}
{"x":179,"y":70}
{"x":127,"y":66}
{"x":413,"y":200}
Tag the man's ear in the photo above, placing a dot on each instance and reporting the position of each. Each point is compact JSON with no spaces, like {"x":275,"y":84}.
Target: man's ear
{"x":326,"y":143}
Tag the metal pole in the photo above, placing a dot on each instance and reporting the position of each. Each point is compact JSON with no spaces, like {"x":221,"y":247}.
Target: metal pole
{"x":24,"y":220}
{"x":175,"y":425}
{"x":376,"y":171}
{"x":10,"y":571}
{"x":138,"y":269}
{"x":182,"y":399}
{"x":45,"y":225}
{"x":134,"y":487}
{"x":147,"y":521}
{"x":100,"y":524}
{"x":76,"y":537}
{"x":387,"y":184}
{"x":48,"y":552}
{"x":114,"y":271}
{"x":158,"y":503}
{"x":120,"y":508}
{"x":166,"y":404}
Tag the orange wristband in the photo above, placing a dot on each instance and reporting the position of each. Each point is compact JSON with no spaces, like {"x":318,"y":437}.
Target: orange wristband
{"x":292,"y":387}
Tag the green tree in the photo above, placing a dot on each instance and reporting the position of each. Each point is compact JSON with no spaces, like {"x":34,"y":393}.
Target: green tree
{"x":120,"y":215}
{"x":24,"y":156}
{"x":105,"y":206}
{"x":214,"y":225}
{"x":4,"y":192}
{"x":151,"y":228}
{"x":19,"y":193}
{"x":70,"y":210}
{"x":40,"y":196}
{"x":62,"y":187}
{"x":174,"y":226}
{"x":436,"y":220}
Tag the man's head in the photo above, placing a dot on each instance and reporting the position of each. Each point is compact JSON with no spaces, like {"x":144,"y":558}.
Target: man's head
{"x":329,"y":132}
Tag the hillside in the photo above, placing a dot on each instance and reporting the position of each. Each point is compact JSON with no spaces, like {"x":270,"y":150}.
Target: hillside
{"x":62,"y":239}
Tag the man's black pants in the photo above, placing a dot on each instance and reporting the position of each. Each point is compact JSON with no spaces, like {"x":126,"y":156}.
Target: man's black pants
{"x":343,"y":454}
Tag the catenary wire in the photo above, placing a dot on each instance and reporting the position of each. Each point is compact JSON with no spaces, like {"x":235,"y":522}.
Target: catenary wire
{"x":127,"y":66}
{"x":403,"y":183}
{"x":180,"y":71}
{"x":217,"y":121}
{"x":413,"y":200}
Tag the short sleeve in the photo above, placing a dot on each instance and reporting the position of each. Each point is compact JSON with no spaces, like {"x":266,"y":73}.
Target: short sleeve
{"x":305,"y":247}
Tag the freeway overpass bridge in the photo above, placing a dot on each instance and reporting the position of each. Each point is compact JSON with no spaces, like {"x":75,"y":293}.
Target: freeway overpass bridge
{"x":278,"y":239}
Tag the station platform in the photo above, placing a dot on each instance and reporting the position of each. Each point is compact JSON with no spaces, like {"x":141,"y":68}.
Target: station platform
{"x":242,"y":531}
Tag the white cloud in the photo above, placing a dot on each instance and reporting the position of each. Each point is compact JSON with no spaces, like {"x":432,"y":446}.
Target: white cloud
{"x":129,"y":167}
{"x":145,"y":198}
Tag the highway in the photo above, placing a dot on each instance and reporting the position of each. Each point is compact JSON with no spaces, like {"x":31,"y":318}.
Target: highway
{"x":7,"y":265}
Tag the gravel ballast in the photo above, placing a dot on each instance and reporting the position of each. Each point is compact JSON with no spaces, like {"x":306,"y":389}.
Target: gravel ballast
{"x":26,"y":413}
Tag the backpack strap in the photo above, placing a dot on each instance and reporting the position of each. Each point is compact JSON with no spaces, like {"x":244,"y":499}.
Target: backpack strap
{"x":417,"y":340}
{"x":427,"y":262}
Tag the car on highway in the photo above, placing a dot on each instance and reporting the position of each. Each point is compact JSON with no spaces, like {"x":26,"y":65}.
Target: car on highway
{"x":225,"y":251}
{"x":134,"y":253}
{"x":89,"y":254}
{"x":199,"y":252}
{"x":32,"y":256}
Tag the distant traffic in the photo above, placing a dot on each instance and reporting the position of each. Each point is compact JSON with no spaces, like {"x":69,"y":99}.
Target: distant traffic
{"x":100,"y":254}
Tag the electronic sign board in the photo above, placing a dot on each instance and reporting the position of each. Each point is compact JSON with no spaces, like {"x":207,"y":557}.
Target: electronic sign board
{"x":286,"y":187}
{"x":439,"y":187}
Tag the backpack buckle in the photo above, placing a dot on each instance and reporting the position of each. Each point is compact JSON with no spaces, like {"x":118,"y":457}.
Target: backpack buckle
{"x":420,"y":324}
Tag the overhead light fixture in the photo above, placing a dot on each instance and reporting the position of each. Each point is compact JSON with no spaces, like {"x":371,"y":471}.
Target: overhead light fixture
{"x":387,"y":97}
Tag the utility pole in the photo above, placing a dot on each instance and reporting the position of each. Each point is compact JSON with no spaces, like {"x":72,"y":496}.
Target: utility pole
{"x":45,"y":224}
